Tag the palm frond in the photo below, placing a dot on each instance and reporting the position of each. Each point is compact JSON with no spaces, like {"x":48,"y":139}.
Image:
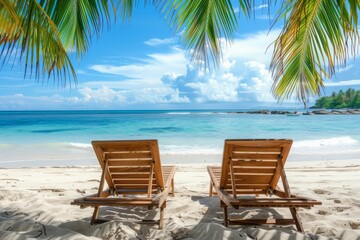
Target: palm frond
{"x":77,"y":21}
{"x":27,"y":33}
{"x":318,"y":36}
{"x":203,"y":23}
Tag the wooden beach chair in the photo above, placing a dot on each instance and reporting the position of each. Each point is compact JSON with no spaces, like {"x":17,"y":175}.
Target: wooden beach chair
{"x":134,"y":175}
{"x":248,"y":178}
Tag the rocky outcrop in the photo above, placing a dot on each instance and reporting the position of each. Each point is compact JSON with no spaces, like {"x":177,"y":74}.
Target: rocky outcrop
{"x":314,"y":112}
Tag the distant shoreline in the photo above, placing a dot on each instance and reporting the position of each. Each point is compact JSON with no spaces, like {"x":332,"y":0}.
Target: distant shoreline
{"x":265,"y":111}
{"x":313,"y":112}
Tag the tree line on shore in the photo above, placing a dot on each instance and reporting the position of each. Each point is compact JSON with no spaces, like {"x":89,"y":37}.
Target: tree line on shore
{"x":348,"y":99}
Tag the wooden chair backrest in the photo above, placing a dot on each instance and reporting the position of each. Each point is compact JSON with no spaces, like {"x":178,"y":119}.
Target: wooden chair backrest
{"x":253,"y":166}
{"x":132,"y":166}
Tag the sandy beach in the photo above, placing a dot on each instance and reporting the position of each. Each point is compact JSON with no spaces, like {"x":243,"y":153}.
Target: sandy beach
{"x":35,"y":204}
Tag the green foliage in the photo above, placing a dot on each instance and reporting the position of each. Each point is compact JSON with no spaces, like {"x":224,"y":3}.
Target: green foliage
{"x":317,"y":35}
{"x":348,"y":99}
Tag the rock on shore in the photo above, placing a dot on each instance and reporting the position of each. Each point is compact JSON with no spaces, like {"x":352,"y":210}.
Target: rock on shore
{"x":314,"y":112}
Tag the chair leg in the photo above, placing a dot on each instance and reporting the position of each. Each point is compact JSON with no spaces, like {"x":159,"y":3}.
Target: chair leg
{"x":94,"y":216}
{"x":172,"y":188}
{"x":211,"y":188}
{"x":225,"y":216}
{"x":298,"y":224}
{"x":161,"y":223}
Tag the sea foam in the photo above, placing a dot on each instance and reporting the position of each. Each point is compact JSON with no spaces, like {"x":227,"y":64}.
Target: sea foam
{"x":324,"y":142}
{"x":79,"y":145}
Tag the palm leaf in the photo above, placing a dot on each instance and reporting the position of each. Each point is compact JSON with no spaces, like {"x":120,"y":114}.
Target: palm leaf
{"x":77,"y":21}
{"x":318,"y":36}
{"x":32,"y":37}
{"x":203,"y":23}
{"x":40,"y":33}
{"x":9,"y":24}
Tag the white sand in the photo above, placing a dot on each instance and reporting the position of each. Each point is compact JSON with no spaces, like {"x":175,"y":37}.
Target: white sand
{"x":35,"y":204}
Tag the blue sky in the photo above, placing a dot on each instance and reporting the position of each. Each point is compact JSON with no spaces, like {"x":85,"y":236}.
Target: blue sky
{"x":139,"y":64}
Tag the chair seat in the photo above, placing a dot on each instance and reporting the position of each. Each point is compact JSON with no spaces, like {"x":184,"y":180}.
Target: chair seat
{"x":134,"y":175}
{"x":249,"y":176}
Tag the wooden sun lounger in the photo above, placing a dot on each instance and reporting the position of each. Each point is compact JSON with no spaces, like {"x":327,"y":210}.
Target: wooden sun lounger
{"x":252,"y":168}
{"x":134,"y":175}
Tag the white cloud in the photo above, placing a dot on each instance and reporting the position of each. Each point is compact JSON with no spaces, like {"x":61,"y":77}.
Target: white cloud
{"x":254,"y":47}
{"x":158,"y":42}
{"x":106,"y":95}
{"x":346,"y":68}
{"x":23,"y":102}
{"x":150,"y":71}
{"x":94,"y":98}
{"x":261,"y":83}
{"x":80,"y":72}
{"x":261,"y":6}
{"x":101,"y":95}
{"x":264,"y":17}
{"x":150,"y":81}
{"x":222,"y":89}
{"x":168,"y":77}
{"x":242,"y":74}
{"x":343,"y":83}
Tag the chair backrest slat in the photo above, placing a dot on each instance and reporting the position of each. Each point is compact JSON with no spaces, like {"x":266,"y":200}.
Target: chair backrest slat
{"x":254,"y":164}
{"x":134,"y":166}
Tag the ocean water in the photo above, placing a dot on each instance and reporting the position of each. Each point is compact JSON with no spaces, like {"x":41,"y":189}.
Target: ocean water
{"x":48,"y":138}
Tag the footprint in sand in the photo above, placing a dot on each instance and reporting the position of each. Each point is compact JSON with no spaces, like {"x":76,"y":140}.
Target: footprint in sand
{"x":341,"y":209}
{"x":93,"y":180}
{"x":321,"y":191}
{"x":51,"y":190}
{"x":355,"y":225}
{"x":322,"y":212}
{"x":81,"y":191}
{"x":6,"y":225}
{"x":9,"y":179}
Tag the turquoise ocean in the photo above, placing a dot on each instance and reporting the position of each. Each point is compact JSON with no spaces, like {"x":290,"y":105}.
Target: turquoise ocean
{"x":63,"y":138}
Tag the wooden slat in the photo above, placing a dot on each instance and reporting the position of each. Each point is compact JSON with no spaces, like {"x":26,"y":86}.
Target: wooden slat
{"x":254,"y":163}
{"x":275,"y":202}
{"x":117,"y":204}
{"x":131,"y":168}
{"x":245,"y":191}
{"x":133,"y":185}
{"x":240,"y":170}
{"x":248,"y":186}
{"x":136,"y":175}
{"x":132,"y":181}
{"x":249,"y":149}
{"x":121,"y":147}
{"x":116,"y":199}
{"x":235,"y":156}
{"x":157,"y":169}
{"x":225,"y":164}
{"x":232,"y":178}
{"x":252,"y":179}
{"x":287,"y":221}
{"x":220,"y":192}
{"x":119,"y":169}
{"x":127,"y":162}
{"x":127,"y":155}
{"x":263,"y":143}
{"x":135,"y":190}
{"x":151,"y":178}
